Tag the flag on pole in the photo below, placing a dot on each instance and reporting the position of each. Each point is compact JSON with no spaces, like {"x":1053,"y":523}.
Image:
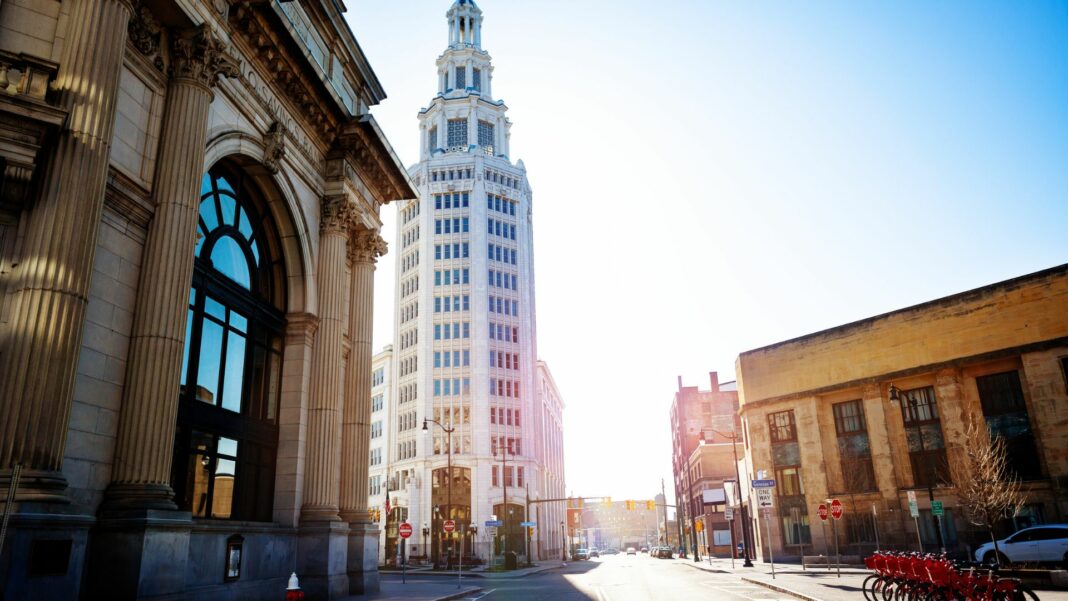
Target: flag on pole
{"x":387,"y":505}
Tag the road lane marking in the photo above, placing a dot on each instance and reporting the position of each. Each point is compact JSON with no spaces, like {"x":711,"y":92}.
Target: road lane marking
{"x":483,"y":594}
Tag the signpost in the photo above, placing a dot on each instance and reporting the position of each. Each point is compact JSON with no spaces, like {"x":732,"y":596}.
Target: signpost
{"x":825,"y":512}
{"x":728,"y":512}
{"x":449,"y":525}
{"x":405,"y":531}
{"x":914,"y":511}
{"x":936,"y":509}
{"x":836,"y":513}
{"x":765,"y":501}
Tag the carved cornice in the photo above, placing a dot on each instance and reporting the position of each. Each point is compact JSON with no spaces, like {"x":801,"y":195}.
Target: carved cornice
{"x":374,"y":165}
{"x":338,"y":215}
{"x":274,"y":147}
{"x":365,"y":246}
{"x":283,"y":69}
{"x":201,"y":57}
{"x":145,"y":34}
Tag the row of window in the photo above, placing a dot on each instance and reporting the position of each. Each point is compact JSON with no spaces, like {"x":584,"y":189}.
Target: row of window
{"x":452,"y":358}
{"x":411,"y":212}
{"x":376,"y":456}
{"x":451,"y":416}
{"x":406,"y":449}
{"x":504,"y":360}
{"x":500,"y":228}
{"x":456,"y":250}
{"x":452,"y":386}
{"x":508,"y":281}
{"x":456,"y":200}
{"x":500,"y":204}
{"x":461,"y":445}
{"x":452,"y":277}
{"x":504,"y":333}
{"x":407,"y":421}
{"x":456,"y":302}
{"x":456,"y":225}
{"x":504,"y":416}
{"x":409,"y":286}
{"x":502,"y":179}
{"x":409,"y":338}
{"x":410,"y":261}
{"x":378,"y":401}
{"x":504,"y":388}
{"x":374,"y":486}
{"x":410,"y":237}
{"x":509,"y":446}
{"x":409,"y":312}
{"x":408,"y":365}
{"x":502,"y":254}
{"x":504,"y":306}
{"x":452,"y":331}
{"x":378,"y":377}
{"x":376,"y":429}
{"x":509,"y":472}
{"x":407,"y":393}
{"x":447,"y":174}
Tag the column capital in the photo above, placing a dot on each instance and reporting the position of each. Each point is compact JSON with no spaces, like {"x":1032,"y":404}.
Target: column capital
{"x":365,"y":246}
{"x":200,"y":57}
{"x":339,"y":215}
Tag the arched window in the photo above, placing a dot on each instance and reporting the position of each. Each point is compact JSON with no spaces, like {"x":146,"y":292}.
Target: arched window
{"x":227,"y":432}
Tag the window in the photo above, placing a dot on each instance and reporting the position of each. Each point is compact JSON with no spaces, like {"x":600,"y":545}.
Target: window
{"x":923,"y":432}
{"x":1006,"y":416}
{"x":457,"y":134}
{"x":485,"y":136}
{"x":854,"y":447}
{"x":476,"y":77}
{"x":432,"y":139}
{"x":227,"y":427}
{"x":461,"y":78}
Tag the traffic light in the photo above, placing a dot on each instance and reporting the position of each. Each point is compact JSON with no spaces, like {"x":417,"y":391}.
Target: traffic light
{"x":650,"y":505}
{"x":630,"y":505}
{"x":378,"y":515}
{"x":700,"y":525}
{"x":530,"y":531}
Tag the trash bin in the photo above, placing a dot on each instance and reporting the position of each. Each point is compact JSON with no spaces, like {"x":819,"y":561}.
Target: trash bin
{"x":511,"y":560}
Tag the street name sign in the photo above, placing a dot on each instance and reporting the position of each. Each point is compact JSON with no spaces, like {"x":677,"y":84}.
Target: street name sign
{"x":914,"y":508}
{"x":763,"y":496}
{"x":405,"y":530}
{"x":836,"y":509}
{"x":729,"y":513}
{"x":763,"y":484}
{"x":449,"y":525}
{"x":528,"y":524}
{"x":936,"y":508}
{"x":494,"y":524}
{"x":823,"y":511}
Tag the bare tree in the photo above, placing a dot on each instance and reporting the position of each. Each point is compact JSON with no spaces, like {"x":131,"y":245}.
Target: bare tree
{"x":988,"y":489}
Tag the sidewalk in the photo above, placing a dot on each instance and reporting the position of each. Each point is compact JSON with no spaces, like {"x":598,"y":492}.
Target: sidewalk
{"x":815,"y":583}
{"x":417,"y":591}
{"x":481,"y":572}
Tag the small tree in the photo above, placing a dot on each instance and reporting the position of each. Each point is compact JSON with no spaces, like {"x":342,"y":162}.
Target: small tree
{"x":988,"y":489}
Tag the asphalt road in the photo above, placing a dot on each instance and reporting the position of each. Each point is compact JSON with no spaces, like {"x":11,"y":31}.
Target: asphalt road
{"x":623,"y":578}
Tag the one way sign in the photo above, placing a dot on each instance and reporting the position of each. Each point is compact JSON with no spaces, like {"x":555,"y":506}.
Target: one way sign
{"x":764,"y":498}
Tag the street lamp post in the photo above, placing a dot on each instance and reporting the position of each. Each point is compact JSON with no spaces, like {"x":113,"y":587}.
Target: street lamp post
{"x":426,"y":533}
{"x":563,"y":543}
{"x":448,"y":504}
{"x":895,"y":400}
{"x":733,"y":437}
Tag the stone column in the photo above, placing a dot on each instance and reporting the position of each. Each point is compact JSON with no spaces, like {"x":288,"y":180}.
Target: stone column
{"x":50,"y":287}
{"x":321,"y":478}
{"x":365,"y":246}
{"x":143,"y":454}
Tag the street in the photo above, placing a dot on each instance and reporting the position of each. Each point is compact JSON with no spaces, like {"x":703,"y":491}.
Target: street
{"x":616,"y":578}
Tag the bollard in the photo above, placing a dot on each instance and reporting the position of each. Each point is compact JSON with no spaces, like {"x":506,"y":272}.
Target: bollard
{"x":293,"y":592}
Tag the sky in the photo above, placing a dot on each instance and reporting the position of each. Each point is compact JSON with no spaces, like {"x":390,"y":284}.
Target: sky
{"x":712,"y":177}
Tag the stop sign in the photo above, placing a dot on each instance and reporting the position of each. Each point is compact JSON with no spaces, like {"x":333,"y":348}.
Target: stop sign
{"x":836,"y":509}
{"x":822,"y":511}
{"x":405,"y":530}
{"x":449,"y":525}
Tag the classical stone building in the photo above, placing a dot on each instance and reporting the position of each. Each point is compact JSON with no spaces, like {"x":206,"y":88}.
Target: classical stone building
{"x":188,"y":230}
{"x":696,"y":416}
{"x":465,"y":354}
{"x":821,"y":418}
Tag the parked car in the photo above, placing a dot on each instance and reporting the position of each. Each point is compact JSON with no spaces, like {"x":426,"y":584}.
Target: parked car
{"x":663,"y":553}
{"x":610,"y":552}
{"x":644,"y":549}
{"x":594,"y":553}
{"x":1038,"y":544}
{"x":631,"y":551}
{"x":582,"y":554}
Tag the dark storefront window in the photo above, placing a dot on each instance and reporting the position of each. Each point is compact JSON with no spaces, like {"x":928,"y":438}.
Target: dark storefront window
{"x":1006,"y":417}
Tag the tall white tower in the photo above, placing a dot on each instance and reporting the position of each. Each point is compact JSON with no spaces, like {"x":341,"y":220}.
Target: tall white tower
{"x":465,"y":341}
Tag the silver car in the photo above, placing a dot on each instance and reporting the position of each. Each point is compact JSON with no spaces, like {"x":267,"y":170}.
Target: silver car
{"x":1038,"y":544}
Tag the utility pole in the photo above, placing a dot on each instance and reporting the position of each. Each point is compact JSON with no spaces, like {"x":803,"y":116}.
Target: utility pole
{"x":663,"y":493}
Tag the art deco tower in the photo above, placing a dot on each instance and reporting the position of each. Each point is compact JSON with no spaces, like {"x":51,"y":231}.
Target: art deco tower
{"x":464,"y":350}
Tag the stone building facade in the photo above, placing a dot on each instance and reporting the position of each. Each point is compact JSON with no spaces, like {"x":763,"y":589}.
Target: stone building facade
{"x":710,"y":465}
{"x":696,"y":414}
{"x":820,"y":420}
{"x":188,"y":232}
{"x":465,"y":356}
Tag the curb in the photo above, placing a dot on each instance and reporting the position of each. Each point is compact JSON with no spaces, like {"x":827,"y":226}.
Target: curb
{"x":460,"y":594}
{"x":780,"y":589}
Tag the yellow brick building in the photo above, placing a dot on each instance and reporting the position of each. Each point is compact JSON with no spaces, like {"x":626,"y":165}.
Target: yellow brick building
{"x":819,"y":418}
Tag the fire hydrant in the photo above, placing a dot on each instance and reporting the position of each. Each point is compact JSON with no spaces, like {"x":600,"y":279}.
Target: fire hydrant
{"x":293,"y":592}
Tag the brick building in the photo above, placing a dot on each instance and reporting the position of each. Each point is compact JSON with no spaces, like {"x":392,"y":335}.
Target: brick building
{"x":819,"y":417}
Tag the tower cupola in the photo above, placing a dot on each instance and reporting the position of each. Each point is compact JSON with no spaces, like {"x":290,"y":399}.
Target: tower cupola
{"x":465,"y":24}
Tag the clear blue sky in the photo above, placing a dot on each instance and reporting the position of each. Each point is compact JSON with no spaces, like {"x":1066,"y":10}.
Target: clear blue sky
{"x":711,"y":177}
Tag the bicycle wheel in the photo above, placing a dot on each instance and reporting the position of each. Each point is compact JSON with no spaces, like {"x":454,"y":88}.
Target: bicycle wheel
{"x":887,"y":592}
{"x":868,"y":587}
{"x":1021,"y":593}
